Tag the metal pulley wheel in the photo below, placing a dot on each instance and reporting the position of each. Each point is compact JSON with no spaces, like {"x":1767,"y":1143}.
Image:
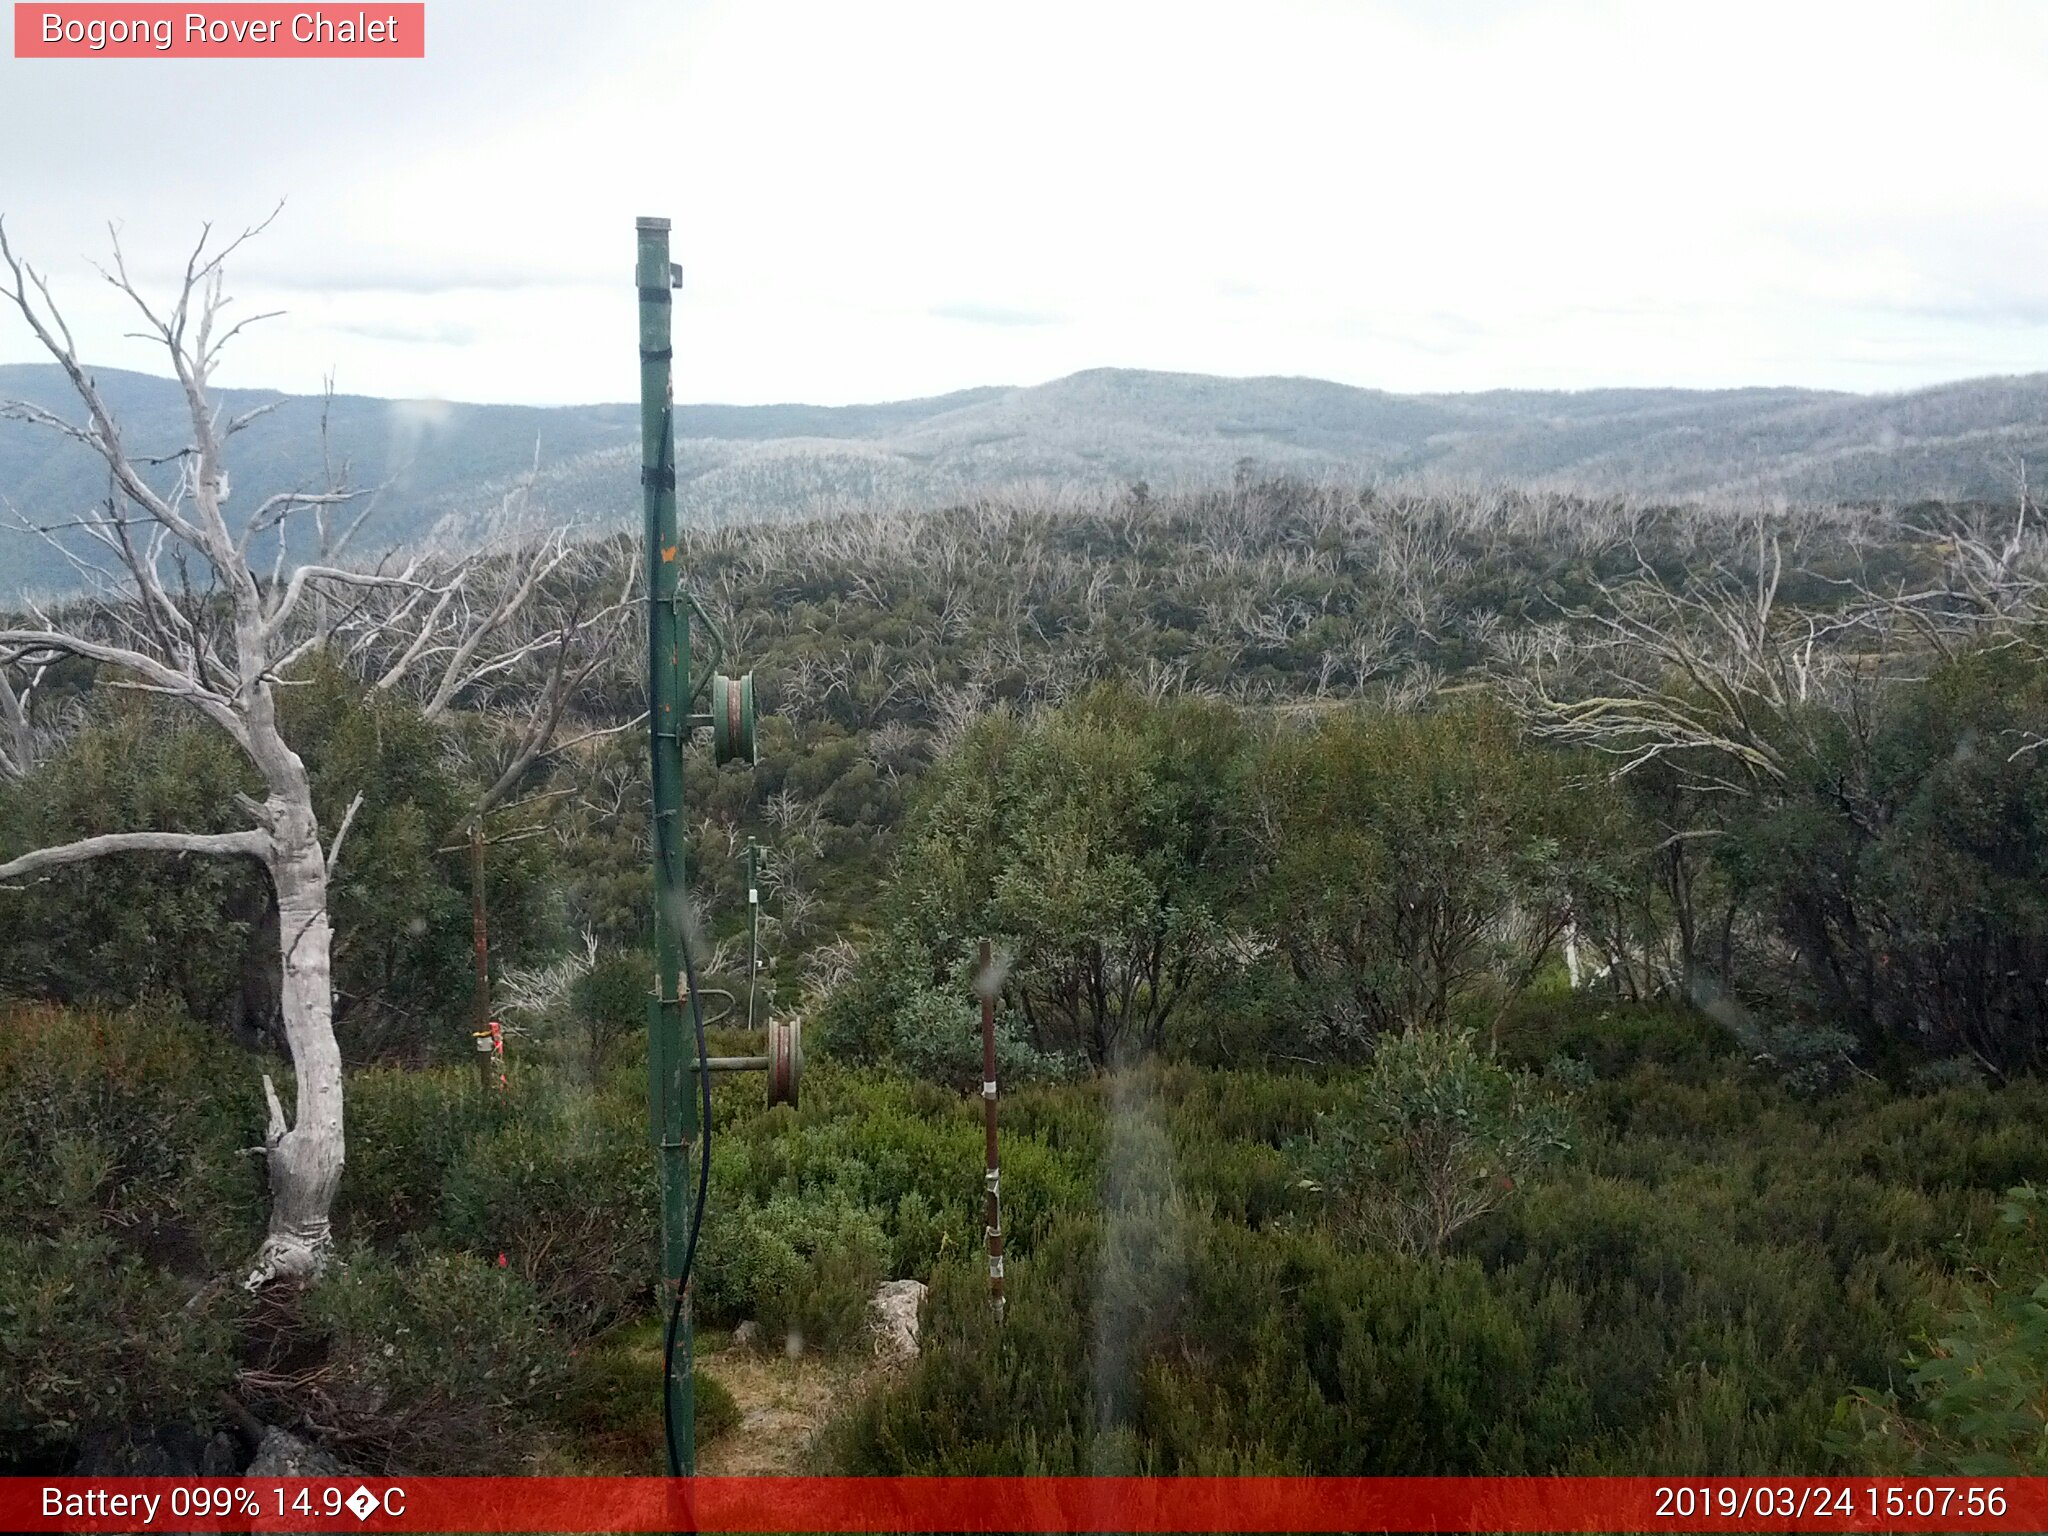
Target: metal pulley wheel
{"x":732,"y":718}
{"x":785,"y":1060}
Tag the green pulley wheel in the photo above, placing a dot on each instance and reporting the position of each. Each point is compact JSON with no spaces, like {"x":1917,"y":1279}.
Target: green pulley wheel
{"x":732,"y":718}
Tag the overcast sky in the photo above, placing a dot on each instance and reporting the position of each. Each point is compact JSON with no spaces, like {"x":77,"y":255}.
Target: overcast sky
{"x":876,"y":200}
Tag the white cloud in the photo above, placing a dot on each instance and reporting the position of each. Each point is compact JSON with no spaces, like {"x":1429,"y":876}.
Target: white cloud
{"x":893,"y":199}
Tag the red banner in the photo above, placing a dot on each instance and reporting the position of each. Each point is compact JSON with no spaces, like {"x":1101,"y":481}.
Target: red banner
{"x":376,"y":30}
{"x":1105,"y":1504}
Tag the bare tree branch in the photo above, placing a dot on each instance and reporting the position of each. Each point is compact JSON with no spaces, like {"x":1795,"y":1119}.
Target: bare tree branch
{"x":255,"y":845}
{"x":341,"y":833}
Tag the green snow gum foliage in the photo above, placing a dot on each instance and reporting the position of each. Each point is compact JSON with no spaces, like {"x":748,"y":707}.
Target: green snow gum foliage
{"x":1431,"y":1138}
{"x":1087,"y":845}
{"x":1175,"y":877}
{"x":1909,"y":863}
{"x":203,"y":930}
{"x":1413,"y":869}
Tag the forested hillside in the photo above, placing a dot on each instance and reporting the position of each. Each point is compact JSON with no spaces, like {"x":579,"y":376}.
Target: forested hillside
{"x":1496,"y":984}
{"x":445,"y":469}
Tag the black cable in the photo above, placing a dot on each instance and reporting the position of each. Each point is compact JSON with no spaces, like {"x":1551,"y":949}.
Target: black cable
{"x":675,"y":1307}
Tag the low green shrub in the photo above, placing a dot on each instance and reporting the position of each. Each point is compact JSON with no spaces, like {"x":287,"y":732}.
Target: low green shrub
{"x":133,"y":1124}
{"x":407,"y":1130}
{"x":612,"y":1404}
{"x":1258,"y":1354}
{"x":892,"y":1012}
{"x":717,"y":1412}
{"x":801,"y":1266}
{"x":1433,"y":1136}
{"x":1613,"y":1038}
{"x":1695,"y":1289}
{"x":1698,"y":1287}
{"x":437,"y":1362}
{"x":567,"y":1192}
{"x":93,"y":1338}
{"x":1975,"y":1398}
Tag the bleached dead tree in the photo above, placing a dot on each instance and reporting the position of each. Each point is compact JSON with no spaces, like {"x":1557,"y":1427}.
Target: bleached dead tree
{"x":17,"y":725}
{"x":520,"y":632}
{"x":222,"y":650}
{"x":1716,"y":676}
{"x":1715,"y":680}
{"x":1988,"y":585}
{"x":1711,"y":677}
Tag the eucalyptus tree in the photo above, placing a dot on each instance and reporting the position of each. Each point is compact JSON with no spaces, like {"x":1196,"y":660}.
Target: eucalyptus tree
{"x":181,"y":610}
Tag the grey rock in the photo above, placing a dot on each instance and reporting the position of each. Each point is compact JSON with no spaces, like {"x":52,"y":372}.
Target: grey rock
{"x":223,"y":1456}
{"x":894,"y":1322}
{"x":283,"y":1454}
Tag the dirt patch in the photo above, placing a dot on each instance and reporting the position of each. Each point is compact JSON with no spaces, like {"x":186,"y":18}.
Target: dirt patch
{"x":783,"y":1404}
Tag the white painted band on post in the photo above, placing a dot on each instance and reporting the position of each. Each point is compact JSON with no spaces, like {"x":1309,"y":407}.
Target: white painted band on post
{"x":994,"y":1179}
{"x":995,"y":1268}
{"x":988,"y":1089}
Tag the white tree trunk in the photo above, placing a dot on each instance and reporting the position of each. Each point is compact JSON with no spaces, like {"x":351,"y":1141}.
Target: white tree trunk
{"x":306,"y":1157}
{"x":175,"y":652}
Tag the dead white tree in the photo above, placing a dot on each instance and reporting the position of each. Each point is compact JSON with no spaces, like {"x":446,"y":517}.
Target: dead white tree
{"x":1716,"y":676}
{"x":1711,"y":677}
{"x":520,"y":632}
{"x":1988,"y":585}
{"x":17,"y":724}
{"x":221,"y":650}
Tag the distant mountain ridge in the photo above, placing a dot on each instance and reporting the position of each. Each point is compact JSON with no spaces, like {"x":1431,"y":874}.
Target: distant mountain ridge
{"x":448,"y":464}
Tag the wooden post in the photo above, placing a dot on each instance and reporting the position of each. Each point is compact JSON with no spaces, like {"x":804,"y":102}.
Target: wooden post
{"x":985,"y":984}
{"x":480,"y":1026}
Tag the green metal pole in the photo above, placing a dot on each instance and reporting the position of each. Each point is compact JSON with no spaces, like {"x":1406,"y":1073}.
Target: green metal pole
{"x":672,"y":1107}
